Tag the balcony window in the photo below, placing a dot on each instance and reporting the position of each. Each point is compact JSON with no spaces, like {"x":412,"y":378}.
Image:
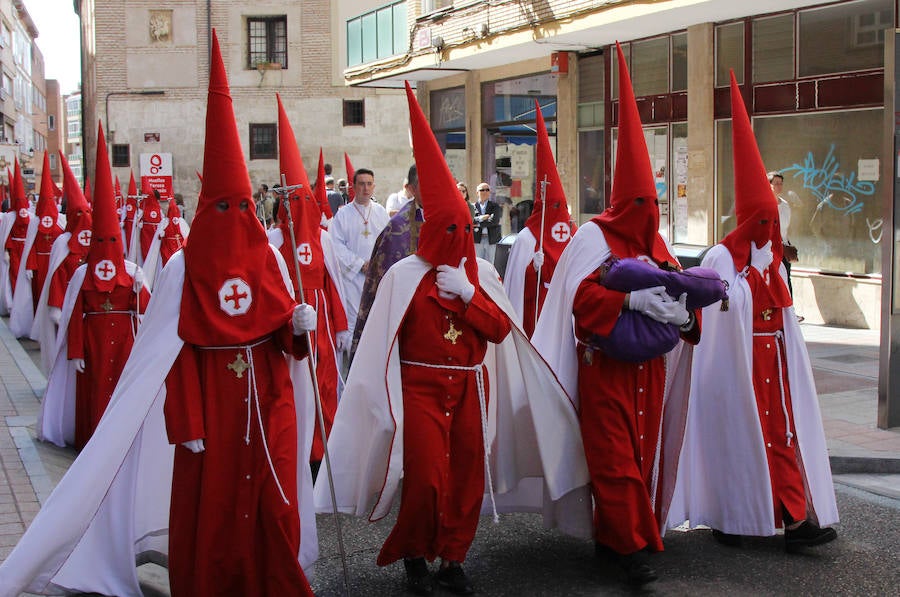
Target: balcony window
{"x":844,"y":37}
{"x":378,"y":34}
{"x":266,"y":41}
{"x":729,"y":53}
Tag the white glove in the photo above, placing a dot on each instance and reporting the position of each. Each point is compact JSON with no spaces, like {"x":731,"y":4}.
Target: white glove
{"x":761,"y":258}
{"x":79,"y":365}
{"x":452,"y":282}
{"x":679,"y":315}
{"x":343,"y":340}
{"x":653,"y":302}
{"x":304,"y":319}
{"x":195,"y":445}
{"x":29,"y":274}
{"x":55,"y":314}
{"x":138,"y":281}
{"x":538,"y":259}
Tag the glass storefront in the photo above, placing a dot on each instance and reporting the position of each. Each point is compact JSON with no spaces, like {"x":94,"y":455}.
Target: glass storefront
{"x":448,"y":120}
{"x":510,"y":120}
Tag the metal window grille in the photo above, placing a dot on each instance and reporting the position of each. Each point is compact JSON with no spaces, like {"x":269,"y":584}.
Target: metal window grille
{"x":121,"y":155}
{"x":354,"y":113}
{"x":263,"y":141}
{"x":267,"y":41}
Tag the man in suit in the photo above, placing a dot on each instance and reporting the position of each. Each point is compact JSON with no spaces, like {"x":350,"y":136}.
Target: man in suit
{"x":487,"y":220}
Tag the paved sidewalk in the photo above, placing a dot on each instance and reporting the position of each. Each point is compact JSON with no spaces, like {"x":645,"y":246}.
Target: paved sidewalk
{"x":845,"y":365}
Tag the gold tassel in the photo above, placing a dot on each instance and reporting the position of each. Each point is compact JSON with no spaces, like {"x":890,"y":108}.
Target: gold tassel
{"x":724,"y":305}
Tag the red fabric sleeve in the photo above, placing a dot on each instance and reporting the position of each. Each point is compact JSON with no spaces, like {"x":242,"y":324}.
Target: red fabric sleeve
{"x":293,"y":345}
{"x":57,"y":288}
{"x":692,"y":336}
{"x":31,"y":263}
{"x":338,"y":315}
{"x":184,"y":403}
{"x":596,"y":308}
{"x":486,"y":317}
{"x":75,"y":340}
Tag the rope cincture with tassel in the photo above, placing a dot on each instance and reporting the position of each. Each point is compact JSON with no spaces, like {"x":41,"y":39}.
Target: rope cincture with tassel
{"x":285,"y":191}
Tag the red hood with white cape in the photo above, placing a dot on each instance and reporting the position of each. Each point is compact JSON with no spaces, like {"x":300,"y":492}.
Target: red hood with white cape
{"x":153,"y":263}
{"x":723,"y":478}
{"x":111,"y":508}
{"x":554,"y":338}
{"x":21,"y":314}
{"x":533,"y":432}
{"x":44,"y":330}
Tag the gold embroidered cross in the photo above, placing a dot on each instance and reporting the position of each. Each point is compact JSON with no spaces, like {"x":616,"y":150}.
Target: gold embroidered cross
{"x":366,"y":233}
{"x":767,"y":314}
{"x":452,"y":334}
{"x":107,"y":306}
{"x":239,"y":366}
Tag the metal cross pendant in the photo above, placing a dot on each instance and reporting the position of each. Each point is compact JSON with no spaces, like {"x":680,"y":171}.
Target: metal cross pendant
{"x":239,"y":366}
{"x":767,"y":314}
{"x":107,"y":306}
{"x":452,"y":334}
{"x":366,"y":232}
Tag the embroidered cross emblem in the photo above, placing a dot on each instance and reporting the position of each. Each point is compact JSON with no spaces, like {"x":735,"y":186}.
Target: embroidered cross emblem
{"x":452,"y":334}
{"x":235,"y":297}
{"x":304,"y":251}
{"x":239,"y":366}
{"x":766,"y":314}
{"x":105,"y":270}
{"x":561,"y":232}
{"x":46,"y":221}
{"x":366,"y":233}
{"x":107,"y":306}
{"x":84,"y":238}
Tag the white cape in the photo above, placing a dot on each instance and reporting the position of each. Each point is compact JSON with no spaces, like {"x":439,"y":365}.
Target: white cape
{"x":153,"y":264}
{"x":21,"y":315}
{"x":554,"y":338}
{"x":536,"y":456}
{"x":111,"y":509}
{"x":6,"y":223}
{"x":520,"y":258}
{"x":43,"y":330}
{"x":723,"y":481}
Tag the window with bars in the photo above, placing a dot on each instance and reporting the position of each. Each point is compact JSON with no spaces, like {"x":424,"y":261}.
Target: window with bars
{"x":121,"y":155}
{"x":354,"y":113}
{"x":263,"y":141}
{"x":267,"y":41}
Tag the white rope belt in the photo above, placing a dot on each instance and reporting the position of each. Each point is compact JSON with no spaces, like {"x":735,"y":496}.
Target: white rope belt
{"x":482,"y":403}
{"x":779,"y":335}
{"x":251,"y":400}
{"x":113,"y":312}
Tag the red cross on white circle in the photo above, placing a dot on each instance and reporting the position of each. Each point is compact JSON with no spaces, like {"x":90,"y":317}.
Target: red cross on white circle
{"x":105,"y":270}
{"x":153,"y":214}
{"x":235,"y":297}
{"x":304,"y":252}
{"x":84,"y":238}
{"x":561,"y":232}
{"x":23,"y":213}
{"x":119,"y":211}
{"x":46,"y":221}
{"x":129,"y":207}
{"x":175,"y":221}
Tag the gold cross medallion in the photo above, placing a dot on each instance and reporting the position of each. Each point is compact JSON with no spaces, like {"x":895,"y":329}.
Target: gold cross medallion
{"x":452,"y":334}
{"x":366,"y":233}
{"x":766,"y":314}
{"x":239,"y":366}
{"x":107,"y":306}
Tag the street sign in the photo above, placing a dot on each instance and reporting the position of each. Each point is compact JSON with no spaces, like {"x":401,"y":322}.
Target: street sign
{"x":156,"y":174}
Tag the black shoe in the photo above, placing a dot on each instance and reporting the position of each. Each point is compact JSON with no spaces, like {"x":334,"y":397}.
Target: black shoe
{"x":807,"y":534}
{"x":727,"y":538}
{"x":418,"y":578}
{"x":636,"y":568}
{"x":454,"y":579}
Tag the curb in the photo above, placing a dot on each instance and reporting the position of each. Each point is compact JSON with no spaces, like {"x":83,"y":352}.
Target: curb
{"x":843,"y":465}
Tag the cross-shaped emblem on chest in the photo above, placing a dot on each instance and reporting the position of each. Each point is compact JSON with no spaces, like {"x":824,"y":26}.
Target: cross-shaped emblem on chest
{"x":561,"y":232}
{"x":452,"y":334}
{"x":239,"y":365}
{"x":236,"y":298}
{"x":107,"y":306}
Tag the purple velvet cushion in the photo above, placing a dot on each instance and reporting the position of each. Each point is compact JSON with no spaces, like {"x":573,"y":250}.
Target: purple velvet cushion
{"x":637,"y":338}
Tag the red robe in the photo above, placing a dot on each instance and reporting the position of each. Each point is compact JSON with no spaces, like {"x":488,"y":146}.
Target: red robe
{"x":15,"y":246}
{"x":39,"y":260}
{"x":60,"y":280}
{"x":788,"y":488}
{"x":101,"y":331}
{"x":149,"y":223}
{"x":230,"y":530}
{"x":621,"y":408}
{"x":443,"y":446}
{"x":170,"y":244}
{"x":531,"y":290}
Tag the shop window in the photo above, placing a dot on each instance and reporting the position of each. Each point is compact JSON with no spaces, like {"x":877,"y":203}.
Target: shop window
{"x":591,"y":152}
{"x":448,"y":121}
{"x":263,"y":141}
{"x":650,"y":66}
{"x":614,"y":68}
{"x":267,"y":41}
{"x":121,"y":155}
{"x":679,"y":62}
{"x":773,"y":49}
{"x":843,"y":37}
{"x":678,"y":181}
{"x":355,"y":112}
{"x":729,"y":53}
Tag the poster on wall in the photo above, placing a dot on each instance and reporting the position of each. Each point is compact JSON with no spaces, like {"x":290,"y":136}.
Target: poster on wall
{"x":522,"y":161}
{"x":456,"y":161}
{"x":156,"y":174}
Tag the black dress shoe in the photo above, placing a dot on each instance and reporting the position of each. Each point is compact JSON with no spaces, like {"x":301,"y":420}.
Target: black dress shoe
{"x":727,"y":538}
{"x":637,"y":568}
{"x":454,"y":579}
{"x":808,"y":534}
{"x":418,"y":578}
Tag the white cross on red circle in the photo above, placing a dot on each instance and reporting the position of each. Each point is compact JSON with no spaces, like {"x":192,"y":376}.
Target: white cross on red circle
{"x":23,"y":213}
{"x":561,"y":232}
{"x":46,"y":221}
{"x":84,"y":238}
{"x":235,"y":296}
{"x":105,"y":270}
{"x":304,"y":253}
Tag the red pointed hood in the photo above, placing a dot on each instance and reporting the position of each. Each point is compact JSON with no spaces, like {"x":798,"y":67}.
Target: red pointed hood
{"x":88,"y":196}
{"x":351,"y":192}
{"x":233,"y":290}
{"x":152,"y":210}
{"x":755,"y":205}
{"x":120,"y":199}
{"x":305,"y":211}
{"x":79,"y":220}
{"x":131,"y":201}
{"x":631,"y":222}
{"x":446,"y":235}
{"x":106,"y":257}
{"x":321,"y":194}
{"x":19,"y":204}
{"x":46,"y":211}
{"x":554,"y":215}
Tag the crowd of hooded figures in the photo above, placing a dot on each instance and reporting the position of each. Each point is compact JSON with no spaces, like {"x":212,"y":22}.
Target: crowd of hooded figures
{"x":198,"y":372}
